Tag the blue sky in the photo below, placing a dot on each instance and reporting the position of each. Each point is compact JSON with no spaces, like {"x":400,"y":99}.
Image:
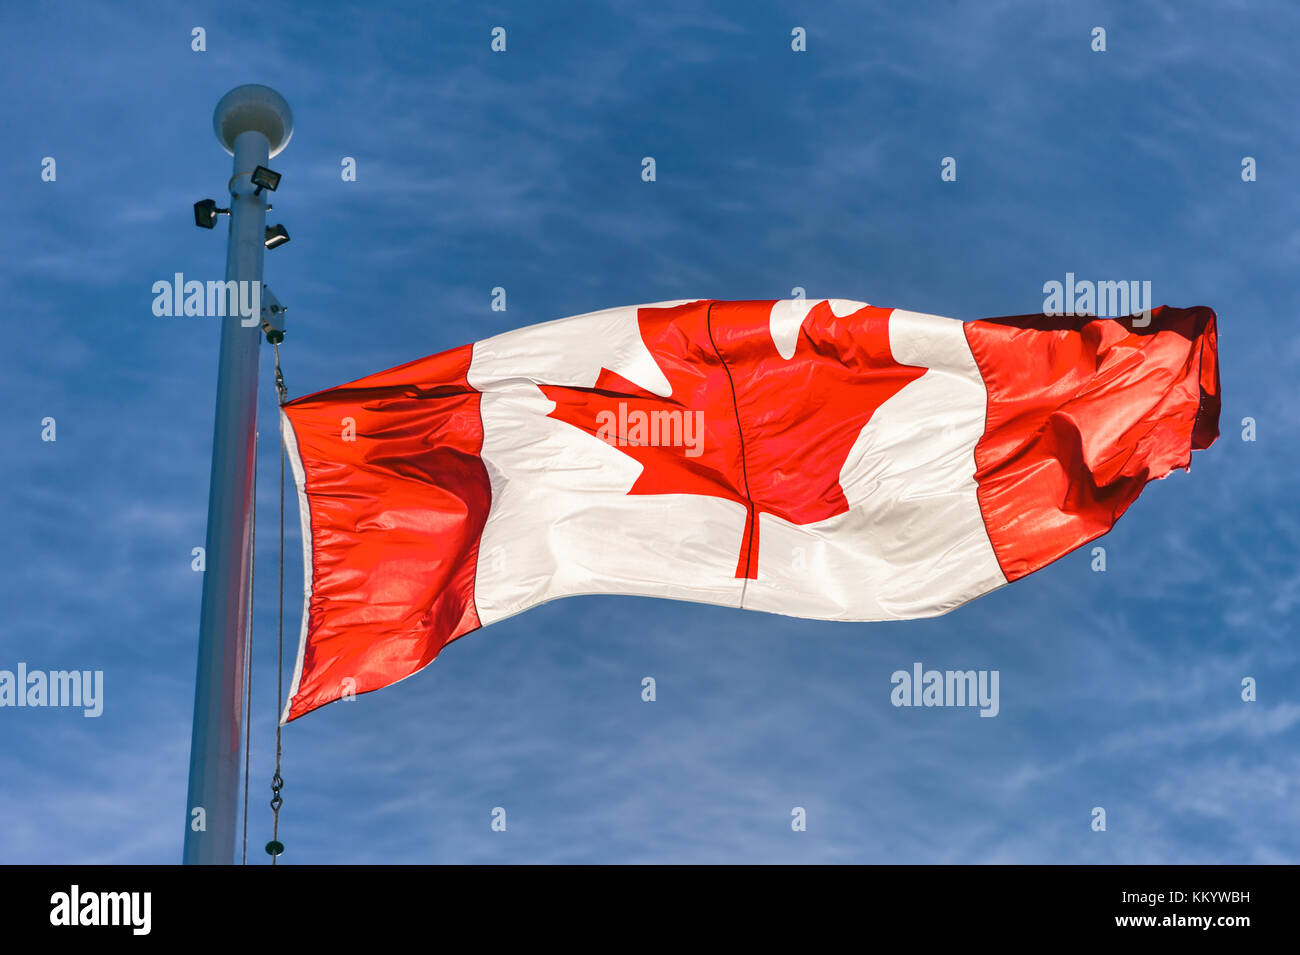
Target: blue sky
{"x":775,"y":169}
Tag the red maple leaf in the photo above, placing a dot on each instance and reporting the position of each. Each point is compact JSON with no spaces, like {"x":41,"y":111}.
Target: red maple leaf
{"x":774,"y":433}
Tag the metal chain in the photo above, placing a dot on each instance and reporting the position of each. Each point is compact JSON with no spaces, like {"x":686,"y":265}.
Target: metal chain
{"x":275,"y":847}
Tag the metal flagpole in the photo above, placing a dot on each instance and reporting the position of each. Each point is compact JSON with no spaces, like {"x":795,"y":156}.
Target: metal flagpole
{"x":253,"y":123}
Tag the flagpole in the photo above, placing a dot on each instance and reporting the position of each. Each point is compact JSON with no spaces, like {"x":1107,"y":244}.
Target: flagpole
{"x":253,"y":123}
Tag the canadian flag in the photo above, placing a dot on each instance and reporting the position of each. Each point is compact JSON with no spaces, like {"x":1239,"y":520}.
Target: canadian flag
{"x":825,"y":459}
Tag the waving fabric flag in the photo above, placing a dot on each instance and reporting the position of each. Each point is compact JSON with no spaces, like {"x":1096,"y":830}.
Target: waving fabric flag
{"x":821,"y":459}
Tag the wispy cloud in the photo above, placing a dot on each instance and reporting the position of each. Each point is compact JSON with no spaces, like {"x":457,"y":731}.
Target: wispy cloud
{"x":774,"y":170}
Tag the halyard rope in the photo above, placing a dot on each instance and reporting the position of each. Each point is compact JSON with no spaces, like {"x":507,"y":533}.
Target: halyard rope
{"x":248,"y":649}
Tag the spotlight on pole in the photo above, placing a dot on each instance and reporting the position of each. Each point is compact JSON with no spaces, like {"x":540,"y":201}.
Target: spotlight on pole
{"x":206,"y":212}
{"x":265,"y":178}
{"x":276,"y":236}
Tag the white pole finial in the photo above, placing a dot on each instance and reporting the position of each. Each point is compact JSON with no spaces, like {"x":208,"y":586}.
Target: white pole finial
{"x":254,"y":107}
